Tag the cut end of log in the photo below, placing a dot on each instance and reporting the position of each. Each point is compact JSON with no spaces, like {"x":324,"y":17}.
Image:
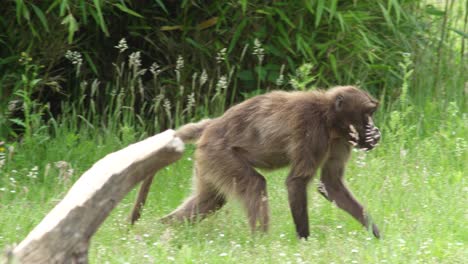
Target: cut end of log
{"x":177,"y":144}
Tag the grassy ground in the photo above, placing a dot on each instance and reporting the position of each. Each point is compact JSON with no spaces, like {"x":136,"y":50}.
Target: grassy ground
{"x":414,"y":187}
{"x":414,"y":184}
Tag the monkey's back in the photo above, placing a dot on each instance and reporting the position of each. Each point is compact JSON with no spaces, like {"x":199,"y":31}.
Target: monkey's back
{"x":259,"y":130}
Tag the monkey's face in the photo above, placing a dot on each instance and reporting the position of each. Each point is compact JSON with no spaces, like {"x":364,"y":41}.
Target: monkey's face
{"x":354,"y":111}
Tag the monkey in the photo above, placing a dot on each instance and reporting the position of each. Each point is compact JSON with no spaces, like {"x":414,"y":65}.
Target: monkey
{"x":305,"y":130}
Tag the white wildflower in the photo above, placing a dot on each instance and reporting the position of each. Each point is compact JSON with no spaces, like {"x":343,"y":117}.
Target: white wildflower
{"x":65,"y":170}
{"x":134,"y":60}
{"x":75,"y":58}
{"x":460,"y":147}
{"x":221,"y":55}
{"x":361,"y":159}
{"x":33,"y":172}
{"x":258,"y":50}
{"x":280,"y":79}
{"x":203,"y":77}
{"x":406,"y":54}
{"x":180,"y":63}
{"x":167,"y":106}
{"x":190,"y":103}
{"x":222,"y":84}
{"x":154,"y":69}
{"x":122,"y":46}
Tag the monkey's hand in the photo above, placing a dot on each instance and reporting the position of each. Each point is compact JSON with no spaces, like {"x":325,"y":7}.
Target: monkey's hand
{"x":372,"y":137}
{"x":354,"y":136}
{"x":372,"y":134}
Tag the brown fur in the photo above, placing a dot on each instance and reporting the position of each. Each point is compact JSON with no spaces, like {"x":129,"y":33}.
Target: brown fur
{"x":306,"y":130}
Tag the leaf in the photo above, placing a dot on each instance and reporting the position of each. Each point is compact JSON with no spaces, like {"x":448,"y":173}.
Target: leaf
{"x":237,"y":34}
{"x":34,"y":82}
{"x":161,"y":4}
{"x":243,"y":5}
{"x":262,"y":11}
{"x":41,"y":17}
{"x":19,"y":8}
{"x":170,"y":28}
{"x":332,"y":10}
{"x":318,"y":15}
{"x":102,"y":23}
{"x":91,"y":63}
{"x":396,"y":7}
{"x":8,"y":60}
{"x":387,"y":17}
{"x":207,"y":23}
{"x":63,"y":6}
{"x":286,"y":44}
{"x":432,"y":10}
{"x":459,"y":32}
{"x":25,"y":11}
{"x":197,"y":45}
{"x":18,"y":122}
{"x":285,"y":18}
{"x":127,"y":10}
{"x":84,"y":13}
{"x":333,"y":65}
{"x":72,"y":26}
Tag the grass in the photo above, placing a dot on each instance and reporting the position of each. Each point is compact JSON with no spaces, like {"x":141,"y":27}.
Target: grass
{"x":414,"y":184}
{"x":414,"y":188}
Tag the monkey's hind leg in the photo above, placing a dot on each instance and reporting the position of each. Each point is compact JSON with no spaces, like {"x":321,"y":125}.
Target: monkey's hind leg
{"x":141,"y":199}
{"x":203,"y":202}
{"x":250,"y":187}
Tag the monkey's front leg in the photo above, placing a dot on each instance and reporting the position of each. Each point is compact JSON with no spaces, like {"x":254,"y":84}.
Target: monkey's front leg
{"x":336,"y":191}
{"x":297,"y":196}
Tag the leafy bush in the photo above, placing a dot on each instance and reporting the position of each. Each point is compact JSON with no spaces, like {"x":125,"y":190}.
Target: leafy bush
{"x":258,"y":45}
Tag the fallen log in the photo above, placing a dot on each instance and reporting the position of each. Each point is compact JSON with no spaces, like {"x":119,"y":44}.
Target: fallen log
{"x":63,"y":236}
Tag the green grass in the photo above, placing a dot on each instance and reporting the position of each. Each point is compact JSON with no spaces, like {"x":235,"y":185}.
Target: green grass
{"x":414,"y":188}
{"x":413,"y":184}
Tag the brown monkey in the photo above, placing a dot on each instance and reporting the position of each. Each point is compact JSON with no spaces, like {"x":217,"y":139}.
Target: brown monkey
{"x":306,"y":130}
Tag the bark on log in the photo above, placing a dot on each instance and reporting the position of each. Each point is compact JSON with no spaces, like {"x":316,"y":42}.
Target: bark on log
{"x":63,"y":236}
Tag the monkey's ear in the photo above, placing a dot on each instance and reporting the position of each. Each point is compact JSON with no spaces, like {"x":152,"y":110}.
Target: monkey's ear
{"x":339,"y":102}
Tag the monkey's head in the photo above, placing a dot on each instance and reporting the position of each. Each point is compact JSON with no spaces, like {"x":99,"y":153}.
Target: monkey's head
{"x":352,"y":116}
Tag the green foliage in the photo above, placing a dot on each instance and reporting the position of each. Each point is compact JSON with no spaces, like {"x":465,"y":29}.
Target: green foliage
{"x":303,"y":78}
{"x":346,"y":42}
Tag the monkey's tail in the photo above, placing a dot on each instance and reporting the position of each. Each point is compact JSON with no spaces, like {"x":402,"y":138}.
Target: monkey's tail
{"x":188,"y":133}
{"x":192,"y":131}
